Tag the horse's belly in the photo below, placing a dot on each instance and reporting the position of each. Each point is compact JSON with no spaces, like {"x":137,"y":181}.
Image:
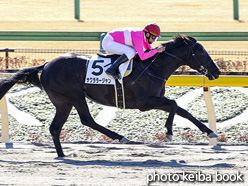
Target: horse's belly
{"x":103,"y":94}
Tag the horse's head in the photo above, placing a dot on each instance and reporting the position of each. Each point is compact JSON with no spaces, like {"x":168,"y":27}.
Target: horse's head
{"x":197,"y":57}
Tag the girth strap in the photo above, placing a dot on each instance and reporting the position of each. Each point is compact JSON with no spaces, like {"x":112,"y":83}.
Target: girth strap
{"x":119,"y":95}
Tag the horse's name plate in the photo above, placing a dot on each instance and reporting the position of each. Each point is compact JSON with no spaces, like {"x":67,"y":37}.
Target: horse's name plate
{"x":96,"y":71}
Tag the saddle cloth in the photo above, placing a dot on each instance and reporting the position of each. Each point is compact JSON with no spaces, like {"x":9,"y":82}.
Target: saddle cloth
{"x":96,"y":70}
{"x":96,"y":75}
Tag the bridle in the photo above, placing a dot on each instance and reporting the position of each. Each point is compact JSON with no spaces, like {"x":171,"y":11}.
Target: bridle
{"x":202,"y":68}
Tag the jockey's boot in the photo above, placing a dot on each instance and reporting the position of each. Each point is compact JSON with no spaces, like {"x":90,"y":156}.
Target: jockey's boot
{"x":113,"y":70}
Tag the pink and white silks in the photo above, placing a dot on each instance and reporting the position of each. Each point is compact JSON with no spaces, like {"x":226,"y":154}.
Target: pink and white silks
{"x":127,"y":41}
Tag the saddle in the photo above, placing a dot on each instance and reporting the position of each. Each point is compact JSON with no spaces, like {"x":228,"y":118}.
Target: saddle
{"x":113,"y":57}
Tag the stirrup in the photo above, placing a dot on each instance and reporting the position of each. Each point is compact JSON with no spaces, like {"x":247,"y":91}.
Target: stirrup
{"x":112,"y":73}
{"x":113,"y":70}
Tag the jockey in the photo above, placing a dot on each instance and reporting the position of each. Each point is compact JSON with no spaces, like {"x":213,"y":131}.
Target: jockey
{"x":126,"y":42}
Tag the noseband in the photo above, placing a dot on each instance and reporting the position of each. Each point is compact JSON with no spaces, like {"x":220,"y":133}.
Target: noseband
{"x":202,"y":68}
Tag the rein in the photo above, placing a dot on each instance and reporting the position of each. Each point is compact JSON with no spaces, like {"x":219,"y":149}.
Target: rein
{"x":202,"y":69}
{"x":169,"y":54}
{"x":147,"y":72}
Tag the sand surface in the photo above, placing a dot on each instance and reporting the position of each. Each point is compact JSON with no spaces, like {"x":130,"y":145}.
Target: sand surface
{"x":118,"y":164}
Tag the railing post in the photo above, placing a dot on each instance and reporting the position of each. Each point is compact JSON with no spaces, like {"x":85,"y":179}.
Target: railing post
{"x":101,"y":38}
{"x":236,"y":9}
{"x":5,"y":121}
{"x":211,"y":113}
{"x":7,"y":50}
{"x":77,"y":9}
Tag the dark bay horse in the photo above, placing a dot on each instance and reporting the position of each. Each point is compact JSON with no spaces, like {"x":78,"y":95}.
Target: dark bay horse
{"x":63,"y":79}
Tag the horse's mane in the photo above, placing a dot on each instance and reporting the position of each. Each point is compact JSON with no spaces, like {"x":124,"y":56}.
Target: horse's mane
{"x":178,"y":40}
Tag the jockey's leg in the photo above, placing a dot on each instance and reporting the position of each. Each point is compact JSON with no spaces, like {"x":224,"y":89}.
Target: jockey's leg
{"x":126,"y":52}
{"x":113,"y":70}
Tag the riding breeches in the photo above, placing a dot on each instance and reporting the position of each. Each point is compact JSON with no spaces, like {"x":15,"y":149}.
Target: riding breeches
{"x":109,"y":45}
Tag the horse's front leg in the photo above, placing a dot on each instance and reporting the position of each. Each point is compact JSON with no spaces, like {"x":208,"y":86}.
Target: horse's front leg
{"x":169,"y":121}
{"x":183,"y":113}
{"x":162,"y":103}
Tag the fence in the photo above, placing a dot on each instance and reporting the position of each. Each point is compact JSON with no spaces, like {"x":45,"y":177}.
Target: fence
{"x":4,"y":115}
{"x":97,"y":36}
{"x":20,"y":58}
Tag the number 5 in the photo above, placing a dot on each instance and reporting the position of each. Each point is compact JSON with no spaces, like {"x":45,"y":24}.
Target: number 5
{"x":99,"y":67}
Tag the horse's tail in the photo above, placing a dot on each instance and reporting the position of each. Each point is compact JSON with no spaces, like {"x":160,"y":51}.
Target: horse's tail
{"x":26,"y":75}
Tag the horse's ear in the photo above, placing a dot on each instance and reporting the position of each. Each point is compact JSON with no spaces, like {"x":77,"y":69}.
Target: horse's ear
{"x":189,"y":40}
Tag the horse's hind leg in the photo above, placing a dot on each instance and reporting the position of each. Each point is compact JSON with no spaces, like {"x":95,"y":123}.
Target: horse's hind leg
{"x":62,"y":112}
{"x":86,"y":119}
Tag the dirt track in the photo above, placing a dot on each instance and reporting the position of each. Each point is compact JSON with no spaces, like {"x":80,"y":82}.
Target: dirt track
{"x":116,"y":164}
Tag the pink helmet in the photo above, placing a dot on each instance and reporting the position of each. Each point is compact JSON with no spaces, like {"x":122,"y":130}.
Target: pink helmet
{"x":153,"y":29}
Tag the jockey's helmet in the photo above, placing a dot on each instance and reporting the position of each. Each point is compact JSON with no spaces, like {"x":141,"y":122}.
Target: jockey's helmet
{"x":153,"y":29}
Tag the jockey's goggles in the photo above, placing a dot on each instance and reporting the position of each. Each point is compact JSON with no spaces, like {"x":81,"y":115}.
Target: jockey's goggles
{"x":154,"y":37}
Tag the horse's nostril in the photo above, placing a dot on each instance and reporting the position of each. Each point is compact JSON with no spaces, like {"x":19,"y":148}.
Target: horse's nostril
{"x":218,"y":72}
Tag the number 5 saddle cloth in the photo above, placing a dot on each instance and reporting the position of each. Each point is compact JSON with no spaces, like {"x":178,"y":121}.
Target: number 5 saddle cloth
{"x":96,"y":75}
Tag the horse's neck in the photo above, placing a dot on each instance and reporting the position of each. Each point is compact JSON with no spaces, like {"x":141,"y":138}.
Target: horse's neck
{"x":157,"y":69}
{"x":167,"y":67}
{"x":173,"y":63}
{"x":170,"y":69}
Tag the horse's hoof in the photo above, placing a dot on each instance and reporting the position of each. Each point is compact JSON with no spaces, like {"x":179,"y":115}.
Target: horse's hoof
{"x":135,"y":142}
{"x":124,"y":140}
{"x":213,"y":135}
{"x":169,"y":137}
{"x":60,"y":157}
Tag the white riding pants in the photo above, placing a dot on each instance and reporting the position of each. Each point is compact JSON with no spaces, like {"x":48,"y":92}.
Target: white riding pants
{"x":109,"y":45}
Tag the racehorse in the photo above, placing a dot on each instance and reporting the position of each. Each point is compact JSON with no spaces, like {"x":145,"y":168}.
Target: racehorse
{"x":63,"y":79}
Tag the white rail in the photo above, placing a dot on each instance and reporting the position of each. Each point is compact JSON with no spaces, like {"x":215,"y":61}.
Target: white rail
{"x":5,"y":121}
